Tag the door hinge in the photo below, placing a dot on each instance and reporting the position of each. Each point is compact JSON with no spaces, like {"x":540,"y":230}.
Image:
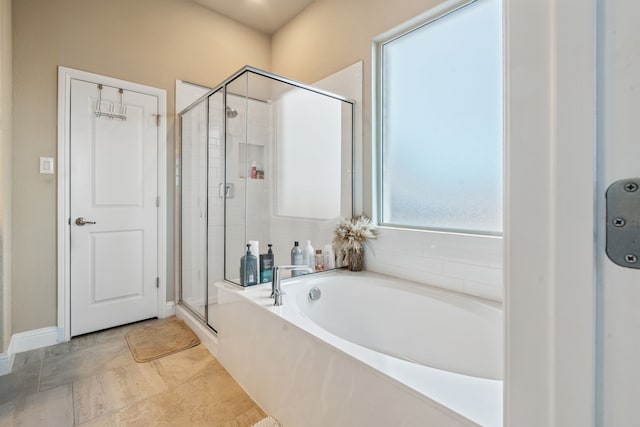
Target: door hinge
{"x":623,"y":212}
{"x":157,"y":119}
{"x":157,"y":201}
{"x":157,"y":282}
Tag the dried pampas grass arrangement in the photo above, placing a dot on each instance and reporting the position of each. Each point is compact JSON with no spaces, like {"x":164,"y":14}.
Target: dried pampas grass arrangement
{"x":350,"y":236}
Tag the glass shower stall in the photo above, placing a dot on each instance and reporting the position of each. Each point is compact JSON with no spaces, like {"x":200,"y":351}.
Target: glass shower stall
{"x":261,"y":159}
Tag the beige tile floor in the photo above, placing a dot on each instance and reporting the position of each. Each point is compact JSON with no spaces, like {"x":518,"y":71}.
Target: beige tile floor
{"x":92,"y":380}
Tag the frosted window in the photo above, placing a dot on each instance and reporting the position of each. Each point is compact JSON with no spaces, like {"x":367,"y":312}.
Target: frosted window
{"x":441,"y":118}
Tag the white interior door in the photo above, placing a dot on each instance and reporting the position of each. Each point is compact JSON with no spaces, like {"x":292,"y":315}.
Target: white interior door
{"x":114,"y":188}
{"x":618,"y":159}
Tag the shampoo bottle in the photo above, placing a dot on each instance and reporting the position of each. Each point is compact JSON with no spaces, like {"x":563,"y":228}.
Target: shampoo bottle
{"x":248,"y":272}
{"x":319,"y":261}
{"x":296,"y":258}
{"x":266,"y":266}
{"x":329,"y":258}
{"x":309,"y":256}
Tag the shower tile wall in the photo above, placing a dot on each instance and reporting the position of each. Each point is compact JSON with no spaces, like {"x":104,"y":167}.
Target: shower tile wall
{"x":249,"y":210}
{"x":318,"y":232}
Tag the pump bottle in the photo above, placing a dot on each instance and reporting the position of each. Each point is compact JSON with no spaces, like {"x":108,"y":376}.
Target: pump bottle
{"x":248,"y":271}
{"x":296,"y":258}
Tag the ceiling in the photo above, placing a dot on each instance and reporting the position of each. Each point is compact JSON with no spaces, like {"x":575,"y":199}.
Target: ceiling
{"x":266,"y":16}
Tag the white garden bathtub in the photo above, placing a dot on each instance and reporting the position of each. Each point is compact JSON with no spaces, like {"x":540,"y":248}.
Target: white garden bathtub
{"x":371,"y":351}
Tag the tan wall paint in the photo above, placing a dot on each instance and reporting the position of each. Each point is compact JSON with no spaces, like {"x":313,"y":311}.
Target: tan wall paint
{"x":152,"y":42}
{"x":330,"y":35}
{"x":5,"y":172}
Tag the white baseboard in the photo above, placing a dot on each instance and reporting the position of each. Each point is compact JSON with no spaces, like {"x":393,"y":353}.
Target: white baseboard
{"x":169,"y":309}
{"x":206,"y":335}
{"x":6,"y":361}
{"x":30,"y":340}
{"x":25,"y":341}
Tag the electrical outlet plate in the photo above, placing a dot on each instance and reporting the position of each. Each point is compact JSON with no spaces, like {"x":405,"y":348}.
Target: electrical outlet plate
{"x":623,"y":222}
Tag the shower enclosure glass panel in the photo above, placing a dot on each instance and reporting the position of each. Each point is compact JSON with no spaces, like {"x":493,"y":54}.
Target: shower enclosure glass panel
{"x":193,"y":217}
{"x":262,"y":159}
{"x":215,"y":215}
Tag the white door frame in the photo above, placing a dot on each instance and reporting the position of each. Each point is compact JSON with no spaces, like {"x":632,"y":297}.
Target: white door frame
{"x":64,"y":229}
{"x":550,"y":300}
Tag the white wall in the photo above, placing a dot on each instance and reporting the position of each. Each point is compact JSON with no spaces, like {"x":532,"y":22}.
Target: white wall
{"x":188,"y":93}
{"x":308,"y":172}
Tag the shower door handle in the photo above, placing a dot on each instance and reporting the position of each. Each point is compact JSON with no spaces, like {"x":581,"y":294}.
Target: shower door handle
{"x":225,"y":191}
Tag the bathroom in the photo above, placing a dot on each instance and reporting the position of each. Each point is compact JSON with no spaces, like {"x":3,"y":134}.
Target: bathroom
{"x":558,"y":309}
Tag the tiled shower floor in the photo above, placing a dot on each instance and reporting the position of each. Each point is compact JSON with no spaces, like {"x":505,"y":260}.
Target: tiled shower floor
{"x":92,"y":380}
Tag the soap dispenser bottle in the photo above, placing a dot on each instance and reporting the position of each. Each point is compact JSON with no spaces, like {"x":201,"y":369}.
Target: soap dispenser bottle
{"x":248,"y":271}
{"x":310,"y":256}
{"x":266,"y":266}
{"x":296,"y":258}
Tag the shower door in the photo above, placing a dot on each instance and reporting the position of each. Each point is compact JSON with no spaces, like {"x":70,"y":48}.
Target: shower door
{"x":193,"y":218}
{"x":218,"y":191}
{"x":202,"y":193}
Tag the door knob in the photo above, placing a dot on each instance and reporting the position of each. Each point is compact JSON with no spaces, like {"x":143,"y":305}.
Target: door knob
{"x":82,"y":221}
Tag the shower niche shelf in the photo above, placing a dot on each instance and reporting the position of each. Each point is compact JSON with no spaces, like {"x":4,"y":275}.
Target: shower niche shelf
{"x":247,"y":154}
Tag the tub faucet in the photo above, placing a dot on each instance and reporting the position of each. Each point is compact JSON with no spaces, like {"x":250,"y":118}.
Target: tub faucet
{"x":276,"y":291}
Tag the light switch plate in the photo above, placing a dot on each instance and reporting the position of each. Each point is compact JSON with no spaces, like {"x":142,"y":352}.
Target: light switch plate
{"x":46,"y":165}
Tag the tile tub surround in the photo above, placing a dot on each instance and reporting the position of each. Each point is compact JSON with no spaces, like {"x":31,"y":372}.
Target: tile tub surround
{"x":93,"y":380}
{"x":320,"y":379}
{"x":466,"y":263}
